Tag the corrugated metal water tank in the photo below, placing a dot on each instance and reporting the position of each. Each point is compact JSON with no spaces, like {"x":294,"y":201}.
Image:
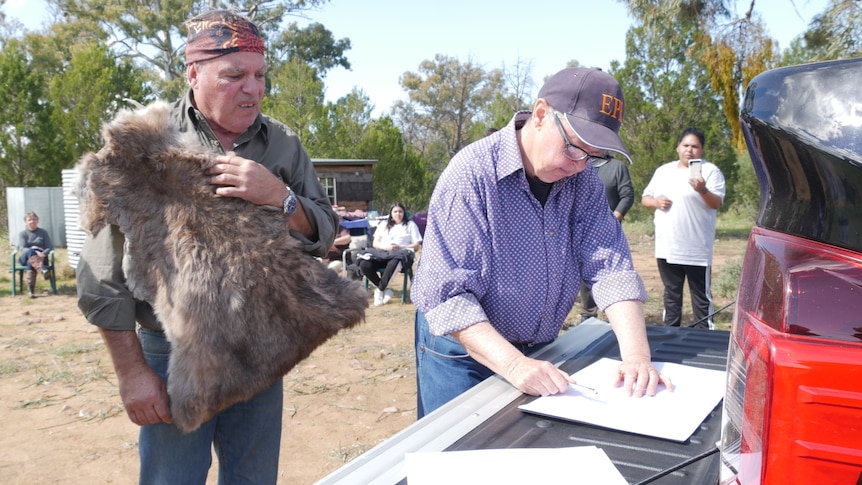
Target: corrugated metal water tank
{"x":74,"y":235}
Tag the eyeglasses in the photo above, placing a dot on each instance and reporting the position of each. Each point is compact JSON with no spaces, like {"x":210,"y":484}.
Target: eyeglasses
{"x":572,"y":151}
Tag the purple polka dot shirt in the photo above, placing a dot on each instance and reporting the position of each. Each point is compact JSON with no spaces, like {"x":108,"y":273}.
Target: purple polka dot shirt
{"x":492,"y":253}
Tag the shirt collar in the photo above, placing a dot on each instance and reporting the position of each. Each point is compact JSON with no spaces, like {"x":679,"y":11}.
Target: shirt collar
{"x":194,"y":119}
{"x":509,"y":157}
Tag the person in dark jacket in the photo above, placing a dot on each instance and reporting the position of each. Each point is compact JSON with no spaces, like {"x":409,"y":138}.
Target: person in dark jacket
{"x":621,"y":196}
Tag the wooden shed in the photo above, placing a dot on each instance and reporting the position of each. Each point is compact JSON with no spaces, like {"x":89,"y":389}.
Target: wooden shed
{"x":347,"y":181}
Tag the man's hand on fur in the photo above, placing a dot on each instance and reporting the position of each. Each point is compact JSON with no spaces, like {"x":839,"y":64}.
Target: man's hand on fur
{"x":246,"y":179}
{"x":145,"y":397}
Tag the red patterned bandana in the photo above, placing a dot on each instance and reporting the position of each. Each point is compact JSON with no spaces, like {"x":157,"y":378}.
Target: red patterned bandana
{"x":215,"y":37}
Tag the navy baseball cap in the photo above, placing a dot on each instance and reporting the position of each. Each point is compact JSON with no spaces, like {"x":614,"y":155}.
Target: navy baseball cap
{"x":593,"y":103}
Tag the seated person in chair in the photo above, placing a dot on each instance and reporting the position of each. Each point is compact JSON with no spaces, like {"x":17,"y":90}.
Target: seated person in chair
{"x":394,"y":243}
{"x":34,"y":244}
{"x":336,"y":251}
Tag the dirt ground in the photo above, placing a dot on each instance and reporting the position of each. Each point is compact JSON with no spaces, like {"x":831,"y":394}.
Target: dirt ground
{"x":62,"y":420}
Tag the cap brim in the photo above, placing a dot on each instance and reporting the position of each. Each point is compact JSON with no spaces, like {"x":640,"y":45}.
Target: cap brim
{"x":597,"y":136}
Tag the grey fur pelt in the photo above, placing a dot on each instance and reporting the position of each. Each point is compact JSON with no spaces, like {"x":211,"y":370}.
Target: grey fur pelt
{"x":240,"y":303}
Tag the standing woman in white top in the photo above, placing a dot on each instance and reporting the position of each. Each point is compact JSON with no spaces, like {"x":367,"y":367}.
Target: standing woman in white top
{"x":399,"y":233}
{"x":686,"y":203}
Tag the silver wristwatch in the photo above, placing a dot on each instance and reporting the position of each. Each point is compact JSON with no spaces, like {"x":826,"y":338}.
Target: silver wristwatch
{"x":289,"y":203}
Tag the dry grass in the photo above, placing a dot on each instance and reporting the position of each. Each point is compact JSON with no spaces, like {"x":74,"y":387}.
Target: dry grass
{"x":62,"y":411}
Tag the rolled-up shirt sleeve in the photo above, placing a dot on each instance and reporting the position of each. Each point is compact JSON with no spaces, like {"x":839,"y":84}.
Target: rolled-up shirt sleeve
{"x":607,"y":266}
{"x":619,"y":286}
{"x":103,"y":297}
{"x":455,"y":264}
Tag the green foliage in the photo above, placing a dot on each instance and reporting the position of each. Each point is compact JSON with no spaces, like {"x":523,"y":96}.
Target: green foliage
{"x":93,"y":87}
{"x":665,"y":93}
{"x":746,"y":190}
{"x":447,"y":97}
{"x":142,"y":31}
{"x":686,"y":64}
{"x":150,"y":32}
{"x":340,"y":131}
{"x":54,"y":99}
{"x":400,"y":174}
{"x":500,"y":111}
{"x":834,"y":34}
{"x":313,"y":45}
{"x":728,"y":281}
{"x":731,"y":50}
{"x":29,"y":143}
{"x":295,"y":96}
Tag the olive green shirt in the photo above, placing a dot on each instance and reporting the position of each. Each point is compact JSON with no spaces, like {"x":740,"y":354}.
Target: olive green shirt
{"x":103,"y":296}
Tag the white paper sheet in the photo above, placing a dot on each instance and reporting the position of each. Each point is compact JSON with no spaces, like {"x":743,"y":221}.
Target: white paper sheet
{"x":518,"y":466}
{"x":670,"y":415}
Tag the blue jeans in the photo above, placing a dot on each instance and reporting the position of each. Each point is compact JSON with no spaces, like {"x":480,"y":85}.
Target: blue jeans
{"x":246,"y":436}
{"x":24,"y":258}
{"x":444,"y":370}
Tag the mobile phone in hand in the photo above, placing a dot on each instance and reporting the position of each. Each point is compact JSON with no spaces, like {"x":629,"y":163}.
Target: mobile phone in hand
{"x":695,"y":165}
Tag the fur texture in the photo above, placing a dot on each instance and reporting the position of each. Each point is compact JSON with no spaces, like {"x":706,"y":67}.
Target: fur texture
{"x":240,"y":302}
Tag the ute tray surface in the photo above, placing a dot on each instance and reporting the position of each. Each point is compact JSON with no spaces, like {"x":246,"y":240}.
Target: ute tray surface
{"x":640,"y":459}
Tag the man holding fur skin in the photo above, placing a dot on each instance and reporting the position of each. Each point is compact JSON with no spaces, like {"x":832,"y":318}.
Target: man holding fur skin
{"x":262,"y":162}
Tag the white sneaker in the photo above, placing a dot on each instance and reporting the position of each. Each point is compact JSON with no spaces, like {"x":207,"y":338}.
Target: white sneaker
{"x":378,"y":297}
{"x":387,"y":295}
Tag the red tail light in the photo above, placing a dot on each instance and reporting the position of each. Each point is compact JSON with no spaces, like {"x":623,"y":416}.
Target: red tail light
{"x":793,"y":408}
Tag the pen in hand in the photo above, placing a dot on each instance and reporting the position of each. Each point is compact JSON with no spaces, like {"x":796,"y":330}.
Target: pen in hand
{"x":583,"y":389}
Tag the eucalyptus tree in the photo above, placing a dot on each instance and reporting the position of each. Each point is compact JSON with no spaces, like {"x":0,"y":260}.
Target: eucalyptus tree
{"x":28,"y":139}
{"x":151,"y":32}
{"x":400,"y":174}
{"x":514,"y":95}
{"x":733,"y":47}
{"x":340,"y":130}
{"x":295,"y":96}
{"x":55,"y":96}
{"x":518,"y":84}
{"x":313,"y":44}
{"x":668,"y":89}
{"x":447,"y":97}
{"x":835,"y":33}
{"x":91,"y":88}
